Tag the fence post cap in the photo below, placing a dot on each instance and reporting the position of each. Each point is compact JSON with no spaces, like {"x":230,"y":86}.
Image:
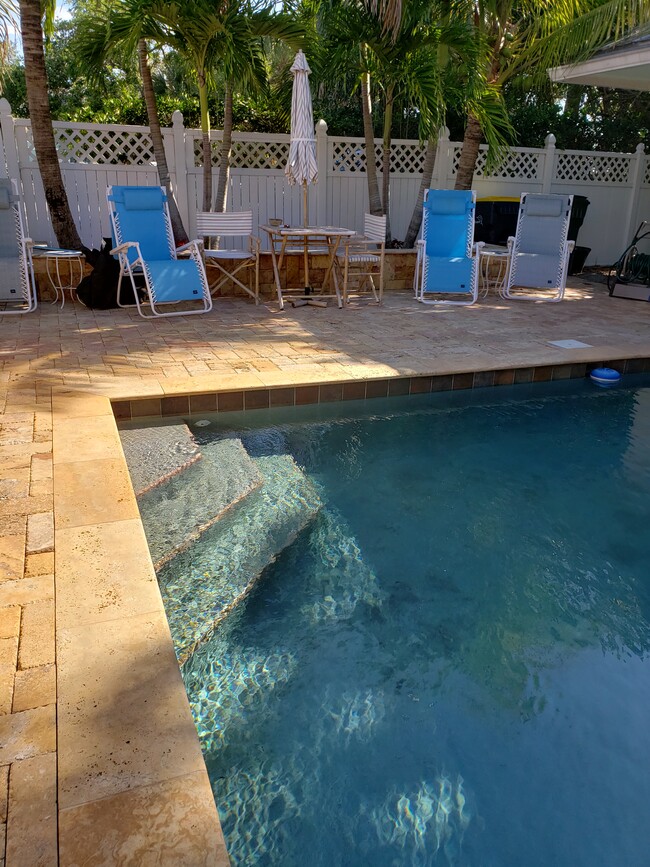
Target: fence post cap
{"x":5,"y":108}
{"x":640,"y":148}
{"x":550,"y":140}
{"x":177,"y":118}
{"x":321,"y":126}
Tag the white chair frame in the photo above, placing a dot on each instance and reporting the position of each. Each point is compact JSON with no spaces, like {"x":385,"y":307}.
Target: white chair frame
{"x":368,"y":251}
{"x":210,"y":224}
{"x":566,"y":248}
{"x":473,"y":252}
{"x":139,"y":265}
{"x":25,"y":244}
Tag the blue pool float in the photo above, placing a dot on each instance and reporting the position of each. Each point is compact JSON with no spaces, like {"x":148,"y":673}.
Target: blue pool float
{"x":605,"y":376}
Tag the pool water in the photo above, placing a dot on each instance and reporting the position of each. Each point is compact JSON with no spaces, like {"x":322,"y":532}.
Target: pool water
{"x":449,"y":665}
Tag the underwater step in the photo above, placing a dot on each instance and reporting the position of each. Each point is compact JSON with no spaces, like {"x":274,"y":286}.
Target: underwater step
{"x":229,"y":684}
{"x":155,"y":454}
{"x":203,"y":583}
{"x":176,"y":512}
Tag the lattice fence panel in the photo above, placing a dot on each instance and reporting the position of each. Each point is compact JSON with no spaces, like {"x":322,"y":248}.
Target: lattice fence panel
{"x":247,"y":154}
{"x":103,"y":147}
{"x":607,"y":169}
{"x":405,"y":158}
{"x":516,"y":166}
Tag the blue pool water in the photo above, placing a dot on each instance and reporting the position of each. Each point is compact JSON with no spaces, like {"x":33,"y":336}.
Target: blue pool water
{"x":449,"y":664}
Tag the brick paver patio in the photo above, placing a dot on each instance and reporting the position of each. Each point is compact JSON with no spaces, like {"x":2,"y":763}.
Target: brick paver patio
{"x":46,"y":358}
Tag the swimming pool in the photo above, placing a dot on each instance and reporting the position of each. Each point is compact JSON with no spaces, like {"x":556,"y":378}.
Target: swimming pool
{"x":446,"y":663}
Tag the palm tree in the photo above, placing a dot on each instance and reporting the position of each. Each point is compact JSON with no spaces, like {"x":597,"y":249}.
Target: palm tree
{"x":206,"y":33}
{"x":526,"y":37}
{"x":411,"y":68}
{"x":8,"y":17}
{"x":31,"y":28}
{"x":239,"y":52}
{"x":94,"y":44}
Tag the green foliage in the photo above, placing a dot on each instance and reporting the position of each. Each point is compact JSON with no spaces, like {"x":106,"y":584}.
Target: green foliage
{"x":583,"y":118}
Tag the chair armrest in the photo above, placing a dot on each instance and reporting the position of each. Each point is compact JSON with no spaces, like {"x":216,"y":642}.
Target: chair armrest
{"x":570,"y":246}
{"x":197,"y":242}
{"x":511,"y":243}
{"x":478,"y":247}
{"x":254,"y":244}
{"x":360,"y":242}
{"x":121,"y":248}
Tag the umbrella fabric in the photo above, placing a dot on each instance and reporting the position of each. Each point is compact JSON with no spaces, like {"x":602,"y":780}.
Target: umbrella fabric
{"x":301,"y":165}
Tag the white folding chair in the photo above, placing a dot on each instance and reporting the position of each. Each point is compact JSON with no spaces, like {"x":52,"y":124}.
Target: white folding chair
{"x":17,"y":285}
{"x":540,"y":250}
{"x":231,"y":225}
{"x":362,"y":258}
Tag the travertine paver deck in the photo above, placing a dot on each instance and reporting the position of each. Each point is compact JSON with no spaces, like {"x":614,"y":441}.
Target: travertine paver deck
{"x":130,"y":776}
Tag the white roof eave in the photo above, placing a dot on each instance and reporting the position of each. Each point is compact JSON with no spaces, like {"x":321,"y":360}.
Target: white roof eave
{"x":627,"y":68}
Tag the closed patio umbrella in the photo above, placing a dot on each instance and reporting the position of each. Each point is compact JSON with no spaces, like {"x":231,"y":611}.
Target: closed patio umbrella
{"x":301,"y":165}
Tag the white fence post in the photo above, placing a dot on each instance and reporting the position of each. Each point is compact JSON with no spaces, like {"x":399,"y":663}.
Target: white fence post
{"x":10,"y":163}
{"x":637,"y":172}
{"x":180,"y":169}
{"x":443,"y":168}
{"x":549,"y":162}
{"x":321,"y":162}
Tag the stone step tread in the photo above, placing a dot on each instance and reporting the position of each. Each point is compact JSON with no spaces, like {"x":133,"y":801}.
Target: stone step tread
{"x":175,"y":513}
{"x":204,"y":582}
{"x":155,"y":454}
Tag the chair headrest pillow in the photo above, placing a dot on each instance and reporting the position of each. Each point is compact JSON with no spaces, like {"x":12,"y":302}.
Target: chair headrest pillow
{"x":139,"y":199}
{"x":545,"y":206}
{"x":449,"y":204}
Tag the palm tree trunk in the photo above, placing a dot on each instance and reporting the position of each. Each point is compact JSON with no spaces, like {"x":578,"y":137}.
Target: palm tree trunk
{"x":39,"y":112}
{"x":468,"y":154}
{"x":374,"y":201}
{"x":225,"y":151}
{"x":205,"y":142}
{"x":427,"y":173}
{"x":180,"y":235}
{"x":385,"y":159}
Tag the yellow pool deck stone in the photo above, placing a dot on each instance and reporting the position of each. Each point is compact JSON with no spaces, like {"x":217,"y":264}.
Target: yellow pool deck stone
{"x":101,"y":764}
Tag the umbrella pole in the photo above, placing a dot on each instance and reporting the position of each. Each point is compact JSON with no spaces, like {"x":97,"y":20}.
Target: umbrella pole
{"x":305,"y":221}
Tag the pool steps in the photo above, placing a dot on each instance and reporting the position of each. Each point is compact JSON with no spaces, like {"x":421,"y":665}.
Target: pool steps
{"x":153,"y":459}
{"x":179,"y":509}
{"x":208,"y":579}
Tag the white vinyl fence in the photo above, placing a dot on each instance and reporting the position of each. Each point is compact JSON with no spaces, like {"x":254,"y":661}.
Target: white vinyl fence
{"x":95,"y":155}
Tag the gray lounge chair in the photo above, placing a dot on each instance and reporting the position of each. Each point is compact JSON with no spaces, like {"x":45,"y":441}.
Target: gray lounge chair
{"x":540,"y":250}
{"x":17,"y":285}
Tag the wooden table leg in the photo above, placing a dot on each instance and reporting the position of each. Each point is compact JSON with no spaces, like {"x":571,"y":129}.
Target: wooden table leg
{"x":333,"y":244}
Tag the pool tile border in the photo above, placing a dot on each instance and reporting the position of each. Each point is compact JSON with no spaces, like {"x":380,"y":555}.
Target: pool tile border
{"x":264,"y":397}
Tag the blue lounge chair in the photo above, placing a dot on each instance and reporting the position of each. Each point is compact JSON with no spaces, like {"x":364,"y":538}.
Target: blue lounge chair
{"x":540,"y":250}
{"x":17,"y":285}
{"x":449,"y":261}
{"x":144,"y":244}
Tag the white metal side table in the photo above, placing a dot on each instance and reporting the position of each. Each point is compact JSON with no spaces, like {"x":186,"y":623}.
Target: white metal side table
{"x":62,"y":278}
{"x":494,"y":264}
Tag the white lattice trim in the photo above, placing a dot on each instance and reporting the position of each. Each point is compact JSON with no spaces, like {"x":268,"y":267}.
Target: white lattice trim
{"x":257,"y":153}
{"x":521,"y":164}
{"x":592,"y":167}
{"x":349,"y":155}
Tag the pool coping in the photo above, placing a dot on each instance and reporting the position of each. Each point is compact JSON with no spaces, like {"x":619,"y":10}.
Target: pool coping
{"x":131,"y":773}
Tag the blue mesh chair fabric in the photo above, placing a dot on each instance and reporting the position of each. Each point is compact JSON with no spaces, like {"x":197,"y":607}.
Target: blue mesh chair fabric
{"x":450,"y":265}
{"x":144,"y":243}
{"x":540,"y":249}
